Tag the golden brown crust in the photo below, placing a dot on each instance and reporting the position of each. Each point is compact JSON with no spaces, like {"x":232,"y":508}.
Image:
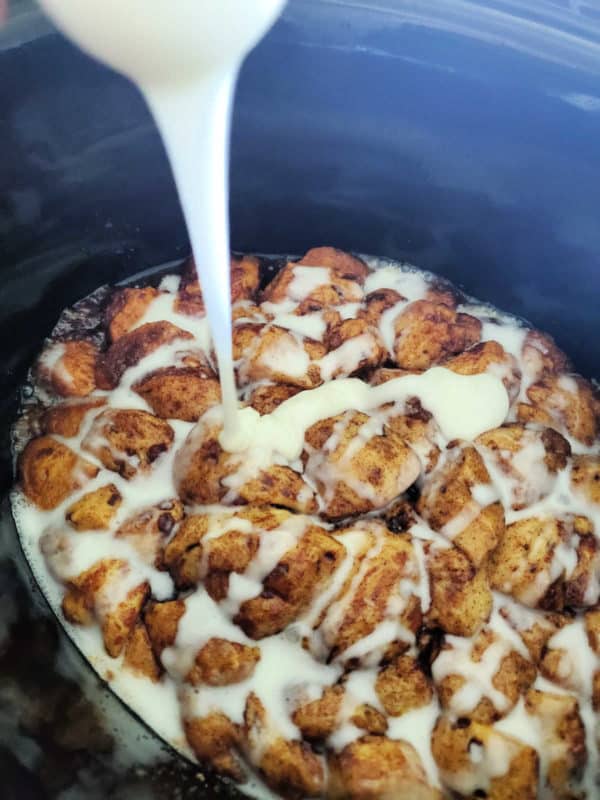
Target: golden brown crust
{"x":290,"y":587}
{"x":180,"y":392}
{"x":126,"y":308}
{"x":162,"y":622}
{"x":448,"y":504}
{"x":64,"y":419}
{"x":524,"y":565}
{"x":201,"y":467}
{"x":138,"y":656}
{"x":565,"y":402}
{"x":221,"y":663}
{"x":403,"y":686}
{"x":461,"y":599}
{"x":95,"y":510}
{"x":50,"y":471}
{"x":130,"y":348}
{"x":368,"y":603}
{"x":344,"y":265}
{"x":585,"y":477}
{"x":73,"y":373}
{"x":265,"y":399}
{"x":377,"y":768}
{"x":90,"y":594}
{"x":215,"y":740}
{"x":127,"y":440}
{"x":359,"y":483}
{"x":454,"y":746}
{"x":288,"y":767}
{"x":427,"y":333}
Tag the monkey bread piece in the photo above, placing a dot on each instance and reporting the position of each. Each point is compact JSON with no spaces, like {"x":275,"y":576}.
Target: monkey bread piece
{"x":567,"y":403}
{"x":540,"y":356}
{"x":300,"y":575}
{"x":97,"y":593}
{"x":64,"y":419}
{"x":419,"y":431}
{"x":459,"y":501}
{"x":547,"y":563}
{"x":378,"y":302}
{"x":278,"y":355}
{"x":535,"y":628}
{"x":244,"y":275}
{"x":132,"y":347}
{"x":343,"y":265}
{"x":180,"y":392}
{"x":562,"y":737}
{"x":216,"y":740}
{"x":378,"y":768}
{"x":206,"y":474}
{"x":585,"y":477}
{"x":190,"y":559}
{"x":355,"y":479}
{"x":138,"y":656}
{"x":383,"y":592}
{"x":318,"y":719}
{"x":461,"y":599}
{"x":127,"y":308}
{"x":146,"y":530}
{"x":127,"y":441}
{"x":352,"y":345}
{"x":50,"y":471}
{"x":490,"y":692}
{"x":68,"y":368}
{"x":489,"y":357}
{"x":428,"y":333}
{"x":312,"y":287}
{"x":528,"y":459}
{"x":266,"y":398}
{"x":95,"y":510}
{"x":220,"y":663}
{"x":162,"y":621}
{"x":245,"y":278}
{"x":477,"y":761}
{"x":402,"y":686}
{"x":290,"y":768}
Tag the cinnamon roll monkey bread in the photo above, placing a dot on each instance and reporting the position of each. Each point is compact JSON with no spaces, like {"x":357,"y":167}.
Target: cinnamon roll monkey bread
{"x":384,"y":586}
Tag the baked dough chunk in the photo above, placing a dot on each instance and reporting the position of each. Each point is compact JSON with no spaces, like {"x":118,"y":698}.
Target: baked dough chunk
{"x":291,"y":768}
{"x":477,"y":761}
{"x":354,"y":480}
{"x":245,"y":279}
{"x":126,"y":308}
{"x":132,"y":347}
{"x":487,"y":693}
{"x":459,"y":500}
{"x":50,"y":471}
{"x":127,"y":441}
{"x":96,"y":593}
{"x":547,"y":562}
{"x":427,"y":333}
{"x":205,"y":474}
{"x":180,"y":392}
{"x":95,"y":510}
{"x":528,"y":461}
{"x":378,"y":768}
{"x":567,"y":403}
{"x":65,"y":419}
{"x":68,"y":368}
